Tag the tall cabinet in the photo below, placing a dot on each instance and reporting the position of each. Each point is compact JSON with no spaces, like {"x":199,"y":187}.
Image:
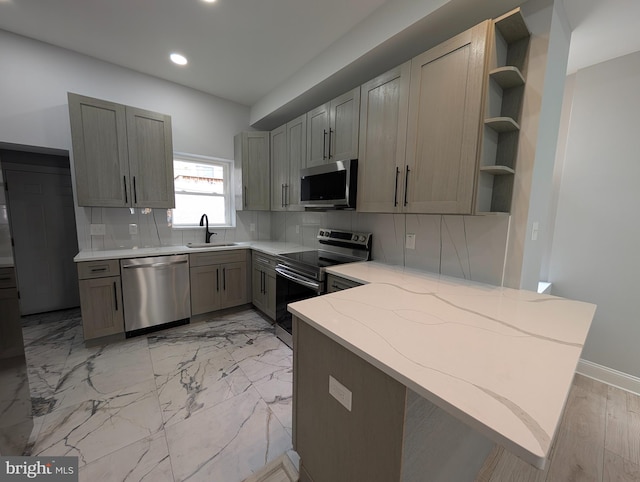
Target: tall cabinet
{"x":251,"y":152}
{"x":445,"y":107}
{"x":288,"y":150}
{"x":123,"y":155}
{"x":332,"y":130}
{"x":384,"y":105}
{"x":419,"y":132}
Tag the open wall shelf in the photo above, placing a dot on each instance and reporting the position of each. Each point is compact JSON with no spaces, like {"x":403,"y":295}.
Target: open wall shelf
{"x":506,"y":81}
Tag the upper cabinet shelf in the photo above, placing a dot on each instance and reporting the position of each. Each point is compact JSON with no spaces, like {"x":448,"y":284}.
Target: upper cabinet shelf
{"x":512,"y":27}
{"x":507,"y":76}
{"x":502,"y":124}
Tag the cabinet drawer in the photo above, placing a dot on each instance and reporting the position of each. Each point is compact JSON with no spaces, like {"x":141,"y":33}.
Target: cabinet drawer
{"x":336,"y":283}
{"x":265,"y":261}
{"x":98,"y":269}
{"x":7,"y":278}
{"x":217,"y":257}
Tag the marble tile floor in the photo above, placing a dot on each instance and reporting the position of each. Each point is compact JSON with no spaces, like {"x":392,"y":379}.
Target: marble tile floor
{"x":208,"y":401}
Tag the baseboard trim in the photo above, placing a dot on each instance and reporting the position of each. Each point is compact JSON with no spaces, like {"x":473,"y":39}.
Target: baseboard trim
{"x":609,"y":376}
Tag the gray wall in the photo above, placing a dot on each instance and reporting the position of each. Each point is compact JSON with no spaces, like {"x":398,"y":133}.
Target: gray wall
{"x":595,"y":245}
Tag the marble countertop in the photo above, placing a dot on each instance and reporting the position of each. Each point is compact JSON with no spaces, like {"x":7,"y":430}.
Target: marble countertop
{"x":268,"y":247}
{"x":500,"y":360}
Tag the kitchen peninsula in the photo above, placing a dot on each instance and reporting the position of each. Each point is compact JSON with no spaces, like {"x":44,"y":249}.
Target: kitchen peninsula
{"x":415,"y":376}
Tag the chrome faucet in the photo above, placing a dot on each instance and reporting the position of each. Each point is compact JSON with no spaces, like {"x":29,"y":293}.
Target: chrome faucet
{"x":207,"y":234}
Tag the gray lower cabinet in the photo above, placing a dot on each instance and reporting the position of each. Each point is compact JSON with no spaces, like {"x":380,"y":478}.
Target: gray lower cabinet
{"x":11,"y":343}
{"x":218,"y":280}
{"x":123,"y":156}
{"x":16,"y":419}
{"x":264,"y":284}
{"x":101,"y":298}
{"x":337,"y":283}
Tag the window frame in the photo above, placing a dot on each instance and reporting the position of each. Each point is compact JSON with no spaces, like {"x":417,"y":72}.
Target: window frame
{"x":228,"y":188}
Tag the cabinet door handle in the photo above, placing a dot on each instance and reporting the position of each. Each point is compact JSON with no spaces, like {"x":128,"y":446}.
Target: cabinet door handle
{"x":330,"y":132}
{"x":245,"y":196}
{"x":115,"y":295}
{"x":224,"y":279}
{"x":282,"y":196}
{"x":5,"y":278}
{"x":395,"y":194}
{"x":217,"y":280}
{"x":406,"y":185}
{"x":286,"y":194}
{"x":126,"y":197}
{"x":135,"y":191}
{"x":264,"y":275}
{"x":98,"y":270}
{"x":324,"y":143}
{"x":261,"y":282}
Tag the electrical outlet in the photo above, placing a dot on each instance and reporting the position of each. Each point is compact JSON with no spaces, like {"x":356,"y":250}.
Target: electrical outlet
{"x":410,"y":242}
{"x":297,"y":229}
{"x":535,"y":227}
{"x":97,"y":229}
{"x":252,"y":227}
{"x":341,"y":393}
{"x":133,"y":229}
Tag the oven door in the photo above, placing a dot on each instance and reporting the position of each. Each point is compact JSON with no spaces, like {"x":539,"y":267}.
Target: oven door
{"x":291,"y":286}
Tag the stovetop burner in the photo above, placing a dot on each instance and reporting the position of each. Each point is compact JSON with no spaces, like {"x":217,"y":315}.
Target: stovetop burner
{"x":320,"y":259}
{"x":337,"y":247}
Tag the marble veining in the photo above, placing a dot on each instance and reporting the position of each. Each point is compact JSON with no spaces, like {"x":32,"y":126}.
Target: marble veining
{"x":205,"y":401}
{"x":498,"y":359}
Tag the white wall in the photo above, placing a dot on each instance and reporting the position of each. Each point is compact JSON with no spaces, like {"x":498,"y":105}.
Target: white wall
{"x":33,"y":94}
{"x":595,"y":246}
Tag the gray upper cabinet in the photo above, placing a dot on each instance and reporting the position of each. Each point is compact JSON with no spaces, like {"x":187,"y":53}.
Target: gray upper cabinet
{"x":384,"y":105}
{"x":332,"y":130}
{"x":150,"y":158}
{"x":317,"y":136}
{"x":288,"y":150}
{"x":344,"y":118}
{"x":252,"y":153}
{"x":445,"y":108}
{"x":279,"y":171}
{"x":113,"y":145}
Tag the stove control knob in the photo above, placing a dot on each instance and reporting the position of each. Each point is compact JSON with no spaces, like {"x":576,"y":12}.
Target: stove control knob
{"x":321,"y":233}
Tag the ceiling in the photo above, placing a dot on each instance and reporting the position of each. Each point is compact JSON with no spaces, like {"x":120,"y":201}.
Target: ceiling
{"x":242,"y":49}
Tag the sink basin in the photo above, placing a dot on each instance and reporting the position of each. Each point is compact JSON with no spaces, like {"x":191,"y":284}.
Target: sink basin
{"x":209,"y":245}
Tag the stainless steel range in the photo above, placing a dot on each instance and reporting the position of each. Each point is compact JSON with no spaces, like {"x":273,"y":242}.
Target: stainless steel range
{"x":302,"y":275}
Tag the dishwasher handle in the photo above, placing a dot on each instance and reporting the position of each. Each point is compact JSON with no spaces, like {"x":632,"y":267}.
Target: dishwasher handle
{"x":152,"y":265}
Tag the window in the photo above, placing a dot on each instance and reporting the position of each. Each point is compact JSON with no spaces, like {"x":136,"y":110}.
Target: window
{"x":202,"y":186}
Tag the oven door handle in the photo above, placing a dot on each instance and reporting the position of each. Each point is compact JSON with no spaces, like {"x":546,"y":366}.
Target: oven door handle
{"x":298,"y":279}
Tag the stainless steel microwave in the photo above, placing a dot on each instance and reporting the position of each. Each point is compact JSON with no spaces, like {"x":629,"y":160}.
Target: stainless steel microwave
{"x":330,"y":186}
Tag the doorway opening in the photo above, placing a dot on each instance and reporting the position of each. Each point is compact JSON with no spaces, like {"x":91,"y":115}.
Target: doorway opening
{"x":39,"y":213}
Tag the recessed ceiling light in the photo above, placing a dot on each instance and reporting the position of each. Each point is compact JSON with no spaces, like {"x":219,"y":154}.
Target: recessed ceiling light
{"x":210,"y":1}
{"x":178,"y":59}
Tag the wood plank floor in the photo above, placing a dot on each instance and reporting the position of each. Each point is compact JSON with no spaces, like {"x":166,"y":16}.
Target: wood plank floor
{"x":598,"y":440}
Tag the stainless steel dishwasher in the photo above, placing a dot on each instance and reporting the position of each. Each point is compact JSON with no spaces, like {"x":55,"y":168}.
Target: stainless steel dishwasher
{"x":155,"y":291}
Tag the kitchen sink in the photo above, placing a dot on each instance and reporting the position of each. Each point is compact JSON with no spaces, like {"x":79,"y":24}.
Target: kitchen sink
{"x":210,"y":245}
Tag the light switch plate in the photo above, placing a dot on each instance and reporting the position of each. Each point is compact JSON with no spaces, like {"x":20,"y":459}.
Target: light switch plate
{"x":252,"y":227}
{"x":341,"y":393}
{"x":97,"y":229}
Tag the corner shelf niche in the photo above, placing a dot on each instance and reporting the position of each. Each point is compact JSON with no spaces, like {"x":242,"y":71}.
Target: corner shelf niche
{"x":506,"y":81}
